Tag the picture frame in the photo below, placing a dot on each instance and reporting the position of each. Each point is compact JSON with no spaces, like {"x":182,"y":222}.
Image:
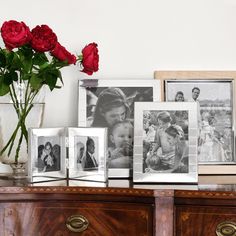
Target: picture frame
{"x":171,"y":155}
{"x":47,"y":154}
{"x":216,"y":116}
{"x":104,"y":103}
{"x":68,"y":153}
{"x":82,"y":143}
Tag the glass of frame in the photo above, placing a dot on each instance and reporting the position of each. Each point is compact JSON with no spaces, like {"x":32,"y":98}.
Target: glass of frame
{"x":87,"y":154}
{"x":110,"y":103}
{"x":75,"y":153}
{"x":47,"y":154}
{"x":169,"y":154}
{"x":213,"y":91}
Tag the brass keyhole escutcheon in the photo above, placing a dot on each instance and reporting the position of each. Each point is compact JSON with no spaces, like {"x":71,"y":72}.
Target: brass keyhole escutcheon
{"x":77,"y":223}
{"x":226,"y":228}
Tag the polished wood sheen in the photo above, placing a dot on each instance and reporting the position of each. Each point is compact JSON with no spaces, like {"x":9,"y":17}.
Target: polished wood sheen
{"x":134,"y":210}
{"x":200,"y":213}
{"x":45,"y":211}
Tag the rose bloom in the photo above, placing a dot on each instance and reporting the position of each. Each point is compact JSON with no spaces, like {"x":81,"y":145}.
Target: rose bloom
{"x":43,"y":38}
{"x":15,"y":34}
{"x":62,"y":54}
{"x":90,"y":58}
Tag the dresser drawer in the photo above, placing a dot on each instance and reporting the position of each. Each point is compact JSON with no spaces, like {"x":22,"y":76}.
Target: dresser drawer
{"x":65,"y":218}
{"x":205,"y":221}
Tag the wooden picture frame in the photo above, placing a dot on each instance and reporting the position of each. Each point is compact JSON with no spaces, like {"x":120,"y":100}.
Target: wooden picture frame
{"x":210,"y":81}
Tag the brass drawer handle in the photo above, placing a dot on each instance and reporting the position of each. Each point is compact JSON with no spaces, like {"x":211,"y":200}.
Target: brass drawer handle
{"x":226,"y":228}
{"x":77,"y":223}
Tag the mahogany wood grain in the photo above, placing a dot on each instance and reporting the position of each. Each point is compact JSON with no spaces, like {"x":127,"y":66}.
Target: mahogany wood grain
{"x":147,"y":211}
{"x":202,"y":220}
{"x":105,"y":219}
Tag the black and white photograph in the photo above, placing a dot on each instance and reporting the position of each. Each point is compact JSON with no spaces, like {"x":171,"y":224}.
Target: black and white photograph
{"x":165,"y":142}
{"x":215,"y":117}
{"x":88,"y":153}
{"x":214,"y":94}
{"x":49,"y":154}
{"x":113,"y":107}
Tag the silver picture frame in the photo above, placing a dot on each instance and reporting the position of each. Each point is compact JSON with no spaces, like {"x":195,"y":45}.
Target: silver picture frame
{"x":81,"y":166}
{"x":47,"y":154}
{"x":96,"y":96}
{"x":168,"y":154}
{"x":67,"y":153}
{"x":216,"y":115}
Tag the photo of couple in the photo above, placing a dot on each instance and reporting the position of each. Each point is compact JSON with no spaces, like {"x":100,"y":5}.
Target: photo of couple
{"x":49,"y":156}
{"x":113,"y":107}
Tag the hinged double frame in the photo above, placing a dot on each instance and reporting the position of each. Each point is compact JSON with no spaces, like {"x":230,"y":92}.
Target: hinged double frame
{"x":74,"y":153}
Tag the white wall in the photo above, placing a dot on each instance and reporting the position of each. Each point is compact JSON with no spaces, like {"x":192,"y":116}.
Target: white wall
{"x":135,"y":38}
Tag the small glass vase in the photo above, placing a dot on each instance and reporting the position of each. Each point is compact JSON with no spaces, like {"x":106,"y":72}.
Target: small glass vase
{"x":13,"y":133}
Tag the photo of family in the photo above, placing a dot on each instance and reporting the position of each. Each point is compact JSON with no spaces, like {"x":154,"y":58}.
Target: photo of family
{"x":165,"y":141}
{"x":86,"y":153}
{"x":113,"y":107}
{"x":215,"y":135}
{"x":49,"y":154}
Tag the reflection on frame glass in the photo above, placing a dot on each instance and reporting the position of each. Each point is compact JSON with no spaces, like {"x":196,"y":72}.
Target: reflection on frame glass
{"x":88,"y":154}
{"x":47,"y":153}
{"x":111,"y":104}
{"x":165,"y":148}
{"x":214,"y":94}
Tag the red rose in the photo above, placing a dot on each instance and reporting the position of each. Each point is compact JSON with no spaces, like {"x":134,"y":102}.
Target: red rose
{"x":90,"y":58}
{"x":44,"y":39}
{"x":62,"y":54}
{"x":15,"y":34}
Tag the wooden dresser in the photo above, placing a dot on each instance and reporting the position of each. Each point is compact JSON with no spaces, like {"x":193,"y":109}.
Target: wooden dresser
{"x":55,"y":208}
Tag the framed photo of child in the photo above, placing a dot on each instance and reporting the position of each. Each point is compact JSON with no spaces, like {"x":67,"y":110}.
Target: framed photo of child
{"x":214,"y":93}
{"x":110,"y":104}
{"x":165,"y":142}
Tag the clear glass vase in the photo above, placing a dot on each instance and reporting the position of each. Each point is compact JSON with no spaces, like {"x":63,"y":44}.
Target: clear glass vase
{"x":14,"y":132}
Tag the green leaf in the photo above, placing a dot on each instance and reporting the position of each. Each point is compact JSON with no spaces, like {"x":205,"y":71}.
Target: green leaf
{"x":44,"y":66}
{"x":35,"y":82}
{"x":26,"y":76}
{"x":25,"y":54}
{"x":13,"y":75}
{"x":60,"y":77}
{"x":7,"y":79}
{"x":13,"y":62}
{"x":51,"y":80}
{"x":4,"y":89}
{"x":2,"y":59}
{"x":39,"y":59}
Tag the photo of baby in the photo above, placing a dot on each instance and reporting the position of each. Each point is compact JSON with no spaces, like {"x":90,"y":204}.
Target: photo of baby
{"x":113,"y":107}
{"x":121,"y":152}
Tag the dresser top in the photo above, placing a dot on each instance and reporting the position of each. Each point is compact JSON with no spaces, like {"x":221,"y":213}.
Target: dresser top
{"x":208,"y":187}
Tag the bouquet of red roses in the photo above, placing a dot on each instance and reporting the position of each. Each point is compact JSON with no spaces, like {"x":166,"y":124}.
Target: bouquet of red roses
{"x":35,"y":58}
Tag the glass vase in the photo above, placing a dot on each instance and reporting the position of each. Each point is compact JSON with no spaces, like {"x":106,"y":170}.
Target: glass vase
{"x":14,"y":131}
